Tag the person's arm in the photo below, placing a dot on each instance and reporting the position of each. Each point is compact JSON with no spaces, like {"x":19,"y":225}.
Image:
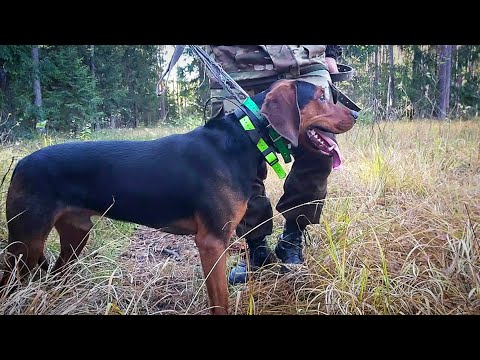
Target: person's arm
{"x":332,"y":53}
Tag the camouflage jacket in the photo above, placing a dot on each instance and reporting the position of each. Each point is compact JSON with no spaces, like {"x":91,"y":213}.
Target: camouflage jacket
{"x":245,"y":62}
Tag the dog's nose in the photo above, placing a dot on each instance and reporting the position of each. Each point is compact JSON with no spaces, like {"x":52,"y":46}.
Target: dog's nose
{"x":354,"y":114}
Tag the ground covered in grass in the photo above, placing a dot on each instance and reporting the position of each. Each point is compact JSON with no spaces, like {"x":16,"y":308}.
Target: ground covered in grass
{"x":400,"y":234}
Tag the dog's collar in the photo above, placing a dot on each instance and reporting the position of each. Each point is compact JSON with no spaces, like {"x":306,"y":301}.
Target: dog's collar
{"x":249,"y":116}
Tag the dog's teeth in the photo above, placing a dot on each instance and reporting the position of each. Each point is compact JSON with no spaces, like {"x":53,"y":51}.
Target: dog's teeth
{"x":318,"y":140}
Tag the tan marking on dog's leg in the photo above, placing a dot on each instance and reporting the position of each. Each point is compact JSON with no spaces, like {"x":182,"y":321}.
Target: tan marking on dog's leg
{"x":73,"y":228}
{"x":212,"y":251}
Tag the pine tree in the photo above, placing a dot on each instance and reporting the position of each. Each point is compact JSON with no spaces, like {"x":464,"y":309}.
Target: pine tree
{"x":70,"y":98}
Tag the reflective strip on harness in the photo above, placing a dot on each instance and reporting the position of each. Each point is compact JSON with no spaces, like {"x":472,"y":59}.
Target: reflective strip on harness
{"x":267,"y":151}
{"x":247,"y":124}
{"x":250,"y":104}
{"x":279,"y":170}
{"x":262,"y":145}
{"x":271,"y":158}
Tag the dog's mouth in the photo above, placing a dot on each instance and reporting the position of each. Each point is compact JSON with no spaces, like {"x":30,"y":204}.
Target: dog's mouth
{"x":323,"y":143}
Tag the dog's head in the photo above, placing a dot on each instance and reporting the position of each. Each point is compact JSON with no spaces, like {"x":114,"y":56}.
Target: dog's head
{"x":301,"y":113}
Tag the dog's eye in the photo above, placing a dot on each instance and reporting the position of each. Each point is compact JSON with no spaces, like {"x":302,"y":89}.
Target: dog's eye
{"x":322,"y":98}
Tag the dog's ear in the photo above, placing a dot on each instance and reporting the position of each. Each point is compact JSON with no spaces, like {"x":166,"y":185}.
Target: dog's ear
{"x":281,"y":110}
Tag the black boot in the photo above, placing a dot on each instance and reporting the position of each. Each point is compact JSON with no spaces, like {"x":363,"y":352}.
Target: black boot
{"x":259,"y":254}
{"x":289,"y":248}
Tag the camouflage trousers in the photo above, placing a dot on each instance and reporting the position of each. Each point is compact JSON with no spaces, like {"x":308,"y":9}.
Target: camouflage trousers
{"x":305,"y":187}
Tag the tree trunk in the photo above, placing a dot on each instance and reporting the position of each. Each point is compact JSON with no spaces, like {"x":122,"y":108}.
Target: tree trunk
{"x":449,"y":77}
{"x":92,"y":71}
{"x":162,"y":103}
{"x":375,"y":84}
{"x":391,"y":83}
{"x":163,"y":112}
{"x":454,"y":74}
{"x":418,"y":88}
{"x":444,"y":72}
{"x":92,"y":60}
{"x":3,"y":79}
{"x":178,"y":99}
{"x":454,"y":61}
{"x":136,"y":120}
{"x":37,"y":90}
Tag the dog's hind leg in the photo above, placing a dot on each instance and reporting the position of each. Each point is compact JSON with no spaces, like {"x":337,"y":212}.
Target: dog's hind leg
{"x":43,"y":262}
{"x":73,"y":229}
{"x":28,"y":232}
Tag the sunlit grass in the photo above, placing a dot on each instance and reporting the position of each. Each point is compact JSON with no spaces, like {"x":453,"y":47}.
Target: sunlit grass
{"x":399,"y":234}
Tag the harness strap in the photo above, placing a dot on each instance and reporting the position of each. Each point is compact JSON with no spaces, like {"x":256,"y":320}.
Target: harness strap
{"x":256,"y":127}
{"x":267,"y":151}
{"x":277,"y":139}
{"x":344,"y":99}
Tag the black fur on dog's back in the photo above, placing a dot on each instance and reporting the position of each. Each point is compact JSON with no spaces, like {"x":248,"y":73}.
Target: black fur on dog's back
{"x":141,"y":181}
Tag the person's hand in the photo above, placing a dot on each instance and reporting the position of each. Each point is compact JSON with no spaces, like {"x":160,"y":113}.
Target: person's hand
{"x":332,"y":65}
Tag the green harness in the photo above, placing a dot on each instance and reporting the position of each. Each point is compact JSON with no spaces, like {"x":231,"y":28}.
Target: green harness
{"x":255,"y":135}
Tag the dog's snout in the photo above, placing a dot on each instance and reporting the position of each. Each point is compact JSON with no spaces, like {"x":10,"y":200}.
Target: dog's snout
{"x":354,"y":114}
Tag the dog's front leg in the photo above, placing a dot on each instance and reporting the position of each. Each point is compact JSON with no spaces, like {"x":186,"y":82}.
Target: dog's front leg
{"x":213,"y":258}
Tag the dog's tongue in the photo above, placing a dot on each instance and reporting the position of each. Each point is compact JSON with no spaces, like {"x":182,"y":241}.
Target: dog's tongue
{"x":337,"y":159}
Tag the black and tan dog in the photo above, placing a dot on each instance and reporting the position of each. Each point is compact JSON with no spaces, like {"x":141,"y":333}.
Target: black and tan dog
{"x":194,"y":183}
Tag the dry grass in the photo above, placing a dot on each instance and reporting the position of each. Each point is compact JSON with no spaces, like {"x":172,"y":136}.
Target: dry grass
{"x":399,"y":235}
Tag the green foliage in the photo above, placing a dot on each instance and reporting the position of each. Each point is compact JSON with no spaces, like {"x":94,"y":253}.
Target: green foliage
{"x":109,"y":75}
{"x":70,"y":99}
{"x":90,"y":87}
{"x":139,"y":79}
{"x":416,"y":80}
{"x":80,"y":88}
{"x":16,"y":97}
{"x":188,"y":121}
{"x":86,"y":132}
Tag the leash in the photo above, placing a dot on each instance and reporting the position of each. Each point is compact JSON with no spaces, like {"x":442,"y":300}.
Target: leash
{"x":215,"y":69}
{"x":220,"y":75}
{"x":176,"y":55}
